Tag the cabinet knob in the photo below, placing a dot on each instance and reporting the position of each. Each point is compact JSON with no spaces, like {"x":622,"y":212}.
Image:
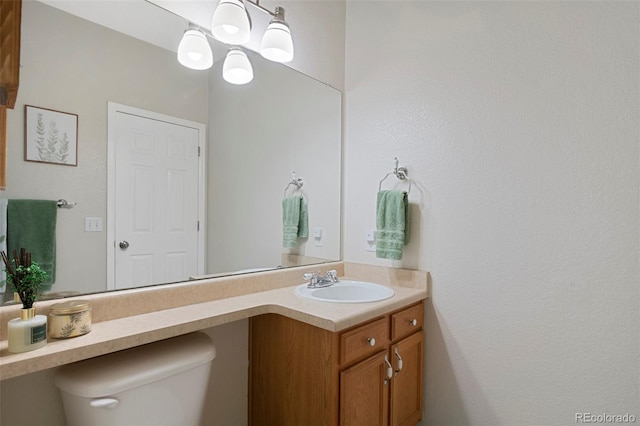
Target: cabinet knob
{"x":413,"y":322}
{"x":371,"y":341}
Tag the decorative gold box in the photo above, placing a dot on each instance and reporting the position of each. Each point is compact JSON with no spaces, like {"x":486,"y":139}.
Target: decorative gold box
{"x":69,"y":319}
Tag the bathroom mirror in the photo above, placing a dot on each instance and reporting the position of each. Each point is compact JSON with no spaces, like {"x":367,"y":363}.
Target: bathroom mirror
{"x":258,"y":135}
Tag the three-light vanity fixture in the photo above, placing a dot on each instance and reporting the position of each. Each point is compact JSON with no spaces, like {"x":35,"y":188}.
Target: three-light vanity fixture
{"x":231,"y":24}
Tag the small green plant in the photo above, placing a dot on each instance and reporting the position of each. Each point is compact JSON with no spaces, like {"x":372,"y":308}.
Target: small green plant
{"x":25,"y":276}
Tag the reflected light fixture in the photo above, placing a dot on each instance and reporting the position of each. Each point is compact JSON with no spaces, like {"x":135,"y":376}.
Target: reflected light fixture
{"x":194,"y":50}
{"x":276,"y":44}
{"x":237,"y":68}
{"x":231,"y":23}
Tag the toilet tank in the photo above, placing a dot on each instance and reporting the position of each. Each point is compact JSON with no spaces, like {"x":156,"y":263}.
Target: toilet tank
{"x":161,"y":383}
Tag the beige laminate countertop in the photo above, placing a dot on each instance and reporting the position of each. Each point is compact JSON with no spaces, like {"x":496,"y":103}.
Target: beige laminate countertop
{"x":126,"y":332}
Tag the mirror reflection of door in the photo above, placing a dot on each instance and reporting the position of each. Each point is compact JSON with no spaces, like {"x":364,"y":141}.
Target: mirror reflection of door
{"x":155,"y":213}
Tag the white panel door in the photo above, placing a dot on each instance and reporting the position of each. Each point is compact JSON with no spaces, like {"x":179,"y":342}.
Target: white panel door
{"x":156,"y":201}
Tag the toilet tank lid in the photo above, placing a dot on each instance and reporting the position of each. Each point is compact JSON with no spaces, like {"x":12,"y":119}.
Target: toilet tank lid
{"x":120,"y":371}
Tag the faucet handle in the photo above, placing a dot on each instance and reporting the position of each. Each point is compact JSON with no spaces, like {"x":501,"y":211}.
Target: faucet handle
{"x":332,"y":275}
{"x":313,"y":277}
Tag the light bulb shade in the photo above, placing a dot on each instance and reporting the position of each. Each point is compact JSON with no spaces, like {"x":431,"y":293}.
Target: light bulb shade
{"x":230,"y":23}
{"x":237,"y":68}
{"x":276,"y":42}
{"x":194,"y":51}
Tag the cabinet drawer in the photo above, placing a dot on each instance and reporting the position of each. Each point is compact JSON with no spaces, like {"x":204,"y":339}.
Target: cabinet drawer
{"x":365,"y":340}
{"x":407,"y":321}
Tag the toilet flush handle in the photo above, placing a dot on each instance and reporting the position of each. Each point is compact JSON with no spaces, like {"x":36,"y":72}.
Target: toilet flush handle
{"x":104,"y":403}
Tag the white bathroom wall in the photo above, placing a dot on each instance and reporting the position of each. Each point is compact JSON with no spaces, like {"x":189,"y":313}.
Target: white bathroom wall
{"x":518,"y":122}
{"x":318,"y":31}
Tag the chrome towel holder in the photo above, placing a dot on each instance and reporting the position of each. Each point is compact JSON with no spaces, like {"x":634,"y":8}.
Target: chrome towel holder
{"x":297,"y":182}
{"x":400,"y":173}
{"x":64,"y":204}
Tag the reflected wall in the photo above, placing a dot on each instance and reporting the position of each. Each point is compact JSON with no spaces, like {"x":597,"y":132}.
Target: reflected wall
{"x":75,"y":66}
{"x":72,"y":65}
{"x":260,"y":133}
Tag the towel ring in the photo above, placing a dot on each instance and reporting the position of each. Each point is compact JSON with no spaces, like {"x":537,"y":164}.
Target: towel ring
{"x":297,"y":182}
{"x":400,"y":173}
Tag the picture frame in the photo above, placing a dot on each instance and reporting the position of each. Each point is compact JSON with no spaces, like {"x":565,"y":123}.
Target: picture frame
{"x":50,"y":136}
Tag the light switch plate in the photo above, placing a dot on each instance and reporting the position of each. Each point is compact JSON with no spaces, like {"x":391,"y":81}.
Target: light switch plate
{"x":92,"y":224}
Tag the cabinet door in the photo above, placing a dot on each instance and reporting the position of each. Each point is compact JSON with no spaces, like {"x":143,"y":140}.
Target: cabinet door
{"x":406,"y":385}
{"x":364,"y":393}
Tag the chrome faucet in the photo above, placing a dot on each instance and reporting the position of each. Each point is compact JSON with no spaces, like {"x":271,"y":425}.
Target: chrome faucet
{"x":316,"y":280}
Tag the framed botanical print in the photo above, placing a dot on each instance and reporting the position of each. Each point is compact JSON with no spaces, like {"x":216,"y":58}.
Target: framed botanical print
{"x":50,"y":136}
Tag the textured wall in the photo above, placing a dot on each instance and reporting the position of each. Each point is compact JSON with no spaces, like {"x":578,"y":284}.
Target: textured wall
{"x":519,"y":123}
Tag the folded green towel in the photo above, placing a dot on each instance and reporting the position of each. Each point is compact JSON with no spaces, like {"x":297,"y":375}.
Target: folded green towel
{"x":392,"y":222}
{"x":295,"y":220}
{"x":31,"y":224}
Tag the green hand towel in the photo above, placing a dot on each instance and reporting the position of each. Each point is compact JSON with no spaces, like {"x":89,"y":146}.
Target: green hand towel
{"x":290,"y":220}
{"x":295,"y":220}
{"x":392,"y":224}
{"x":303,"y":224}
{"x":31,"y":224}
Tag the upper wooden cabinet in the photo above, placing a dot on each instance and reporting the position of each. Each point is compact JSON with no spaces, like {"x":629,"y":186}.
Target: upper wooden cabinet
{"x":10,"y":16}
{"x":10,"y":19}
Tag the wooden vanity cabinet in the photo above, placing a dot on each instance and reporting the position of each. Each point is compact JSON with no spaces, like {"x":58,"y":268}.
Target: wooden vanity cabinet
{"x":303,"y":375}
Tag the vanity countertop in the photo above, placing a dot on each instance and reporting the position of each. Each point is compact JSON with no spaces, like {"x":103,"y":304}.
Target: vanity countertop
{"x":129,"y":331}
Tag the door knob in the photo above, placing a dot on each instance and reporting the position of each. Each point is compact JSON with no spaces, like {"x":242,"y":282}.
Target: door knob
{"x":124,"y":245}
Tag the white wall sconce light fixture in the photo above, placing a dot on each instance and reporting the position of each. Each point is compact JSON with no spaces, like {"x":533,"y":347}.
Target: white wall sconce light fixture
{"x":277,"y":44}
{"x":236,"y":68}
{"x":194,"y":50}
{"x":231,"y":24}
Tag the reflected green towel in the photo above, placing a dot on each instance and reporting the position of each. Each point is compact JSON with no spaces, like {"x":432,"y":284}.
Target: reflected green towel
{"x":295,"y":220}
{"x":31,"y":224}
{"x":392,"y":222}
{"x":303,"y":224}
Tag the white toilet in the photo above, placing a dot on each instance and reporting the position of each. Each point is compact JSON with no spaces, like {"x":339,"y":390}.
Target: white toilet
{"x":162,"y":383}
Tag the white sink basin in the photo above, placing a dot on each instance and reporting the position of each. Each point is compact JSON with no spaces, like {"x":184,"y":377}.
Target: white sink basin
{"x":346,"y":291}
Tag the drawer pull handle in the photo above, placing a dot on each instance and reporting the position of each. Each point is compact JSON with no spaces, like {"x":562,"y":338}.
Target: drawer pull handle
{"x":413,"y":322}
{"x":389,"y":370}
{"x":371,"y":341}
{"x":399,"y":361}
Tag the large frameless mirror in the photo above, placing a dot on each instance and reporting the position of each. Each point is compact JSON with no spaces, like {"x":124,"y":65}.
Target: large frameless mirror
{"x":257,"y":136}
